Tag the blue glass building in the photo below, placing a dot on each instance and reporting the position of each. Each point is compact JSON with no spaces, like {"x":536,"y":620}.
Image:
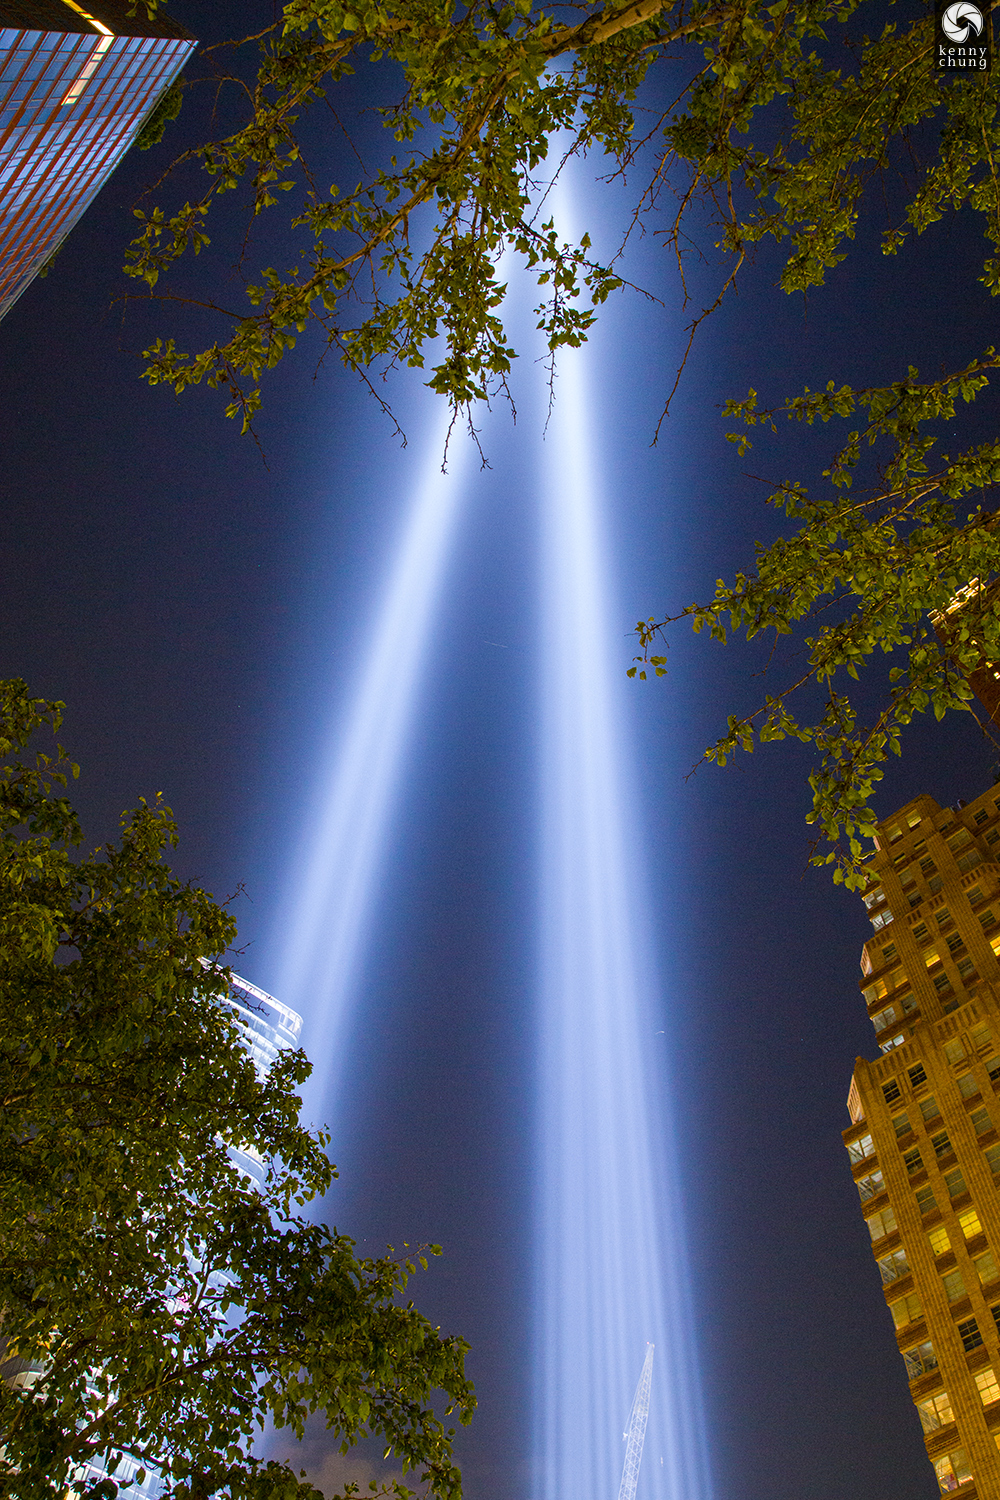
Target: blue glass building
{"x":76,"y":84}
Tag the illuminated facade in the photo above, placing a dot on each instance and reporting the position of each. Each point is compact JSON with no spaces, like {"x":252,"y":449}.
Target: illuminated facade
{"x":76,"y":85}
{"x":924,"y":1142}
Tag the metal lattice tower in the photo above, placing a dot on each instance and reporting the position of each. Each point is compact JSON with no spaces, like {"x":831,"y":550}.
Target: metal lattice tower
{"x":635,"y":1432}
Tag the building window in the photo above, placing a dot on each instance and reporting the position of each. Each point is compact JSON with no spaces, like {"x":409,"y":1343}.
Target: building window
{"x":860,"y":1149}
{"x":919,"y":1360}
{"x":888,"y":952}
{"x":912,"y":819}
{"x":882,"y":919}
{"x":987,"y":919}
{"x":943,"y":919}
{"x":967,"y":1085}
{"x":873,"y":896}
{"x":934,"y":884}
{"x":986,"y":1383}
{"x":881,"y":1224}
{"x":941,"y":1143}
{"x":955,"y":1183}
{"x":894,"y":1265}
{"x":906,"y":1310}
{"x":917,"y":1076}
{"x":993,"y":1159}
{"x":981,"y":816}
{"x":952,"y":1470}
{"x":931,"y":957}
{"x":935,"y":1412}
{"x":969,"y":1333}
{"x":955,"y":941}
{"x":970,"y":860}
{"x":901,"y":1124}
{"x":981,"y":1121}
{"x":883,"y":1018}
{"x":894,"y":1041}
{"x":926,"y":1202}
{"x":920,"y":932}
{"x":894,"y":833}
{"x":913,"y":1161}
{"x":996,"y":1315}
{"x":927,"y":867}
{"x":968,"y":1223}
{"x":976,"y":894}
{"x":967,"y":970}
{"x":992,"y":1065}
{"x":938,"y":1240}
{"x":986,"y":1268}
{"x":959,"y":840}
{"x":871,"y":1186}
{"x":981,"y":1036}
{"x":891,"y":1091}
{"x":993,"y":835}
{"x":942,"y":983}
{"x":954,"y":1286}
{"x":929,"y":1108}
{"x":954,"y":1051}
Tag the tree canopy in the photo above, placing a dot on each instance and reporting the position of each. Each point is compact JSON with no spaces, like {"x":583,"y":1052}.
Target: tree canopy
{"x":780,"y":120}
{"x":152,"y":1301}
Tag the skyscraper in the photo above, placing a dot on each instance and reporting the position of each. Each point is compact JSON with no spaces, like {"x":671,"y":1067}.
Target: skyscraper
{"x":924,"y":1139}
{"x":76,"y":84}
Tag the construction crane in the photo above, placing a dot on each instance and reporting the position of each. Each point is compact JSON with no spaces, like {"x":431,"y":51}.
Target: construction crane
{"x":635,"y":1432}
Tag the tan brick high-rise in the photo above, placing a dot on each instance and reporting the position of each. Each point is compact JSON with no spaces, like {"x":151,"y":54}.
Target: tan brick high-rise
{"x":925,"y":1138}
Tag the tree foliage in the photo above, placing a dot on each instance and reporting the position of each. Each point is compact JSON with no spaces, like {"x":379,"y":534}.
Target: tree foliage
{"x":780,"y":119}
{"x":153,"y":1301}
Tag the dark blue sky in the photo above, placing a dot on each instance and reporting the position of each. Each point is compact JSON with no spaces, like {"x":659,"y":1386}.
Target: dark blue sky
{"x":202,"y":610}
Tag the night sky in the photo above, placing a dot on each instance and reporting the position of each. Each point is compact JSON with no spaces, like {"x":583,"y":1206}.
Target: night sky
{"x":201,"y":604}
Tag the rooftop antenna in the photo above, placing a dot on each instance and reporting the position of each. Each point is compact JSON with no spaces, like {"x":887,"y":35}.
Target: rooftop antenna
{"x":635,"y":1432}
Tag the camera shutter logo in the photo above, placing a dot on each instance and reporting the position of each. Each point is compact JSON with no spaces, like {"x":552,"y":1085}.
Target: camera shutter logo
{"x":962,"y":22}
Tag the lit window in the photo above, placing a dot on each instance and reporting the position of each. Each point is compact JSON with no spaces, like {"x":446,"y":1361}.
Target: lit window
{"x":913,"y":1161}
{"x":941,"y":1143}
{"x":935,"y":1412}
{"x":901,"y":1124}
{"x":881,"y":1224}
{"x":912,"y":819}
{"x":870,"y":1186}
{"x":894,"y":1041}
{"x":986,"y":1383}
{"x":969,"y":1333}
{"x":882,"y":918}
{"x":967,"y":1085}
{"x":906,"y":1310}
{"x":938,"y":1240}
{"x":917,"y":1075}
{"x":931,"y":957}
{"x":929,"y":1108}
{"x":955,"y":1183}
{"x":926,"y":1201}
{"x":895,"y":1265}
{"x":995,"y":944}
{"x":969,"y":1223}
{"x":952,"y":1470}
{"x":981,"y":1121}
{"x":954,"y":1286}
{"x":954,"y":1051}
{"x":883,"y":1018}
{"x":891,"y":1091}
{"x":894,"y":833}
{"x":860,"y":1149}
{"x":874,"y":896}
{"x":919,"y":1359}
{"x":986,"y":1268}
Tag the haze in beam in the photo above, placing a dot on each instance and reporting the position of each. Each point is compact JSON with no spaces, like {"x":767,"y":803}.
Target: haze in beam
{"x":334,"y":888}
{"x":611,"y":1258}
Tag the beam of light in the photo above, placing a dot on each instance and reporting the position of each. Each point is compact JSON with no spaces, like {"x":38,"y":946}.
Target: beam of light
{"x":335,"y":887}
{"x":611,"y":1248}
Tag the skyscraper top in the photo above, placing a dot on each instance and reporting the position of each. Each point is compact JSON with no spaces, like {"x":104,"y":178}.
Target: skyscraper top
{"x":56,"y":15}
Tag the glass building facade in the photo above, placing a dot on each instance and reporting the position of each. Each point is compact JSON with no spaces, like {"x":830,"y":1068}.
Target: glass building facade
{"x":76,"y":85}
